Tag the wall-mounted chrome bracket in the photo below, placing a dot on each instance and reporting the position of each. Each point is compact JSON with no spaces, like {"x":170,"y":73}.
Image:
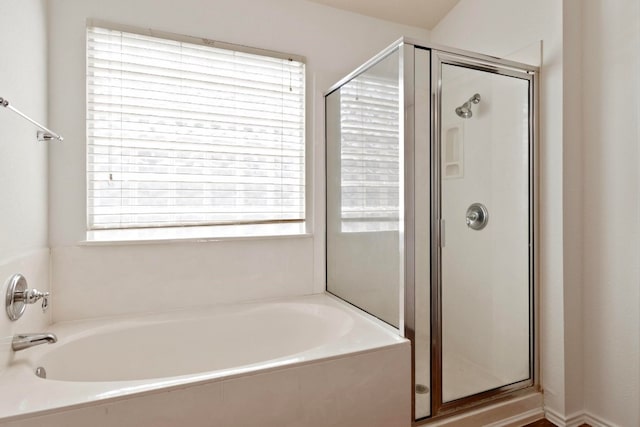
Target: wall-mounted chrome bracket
{"x":45,"y":134}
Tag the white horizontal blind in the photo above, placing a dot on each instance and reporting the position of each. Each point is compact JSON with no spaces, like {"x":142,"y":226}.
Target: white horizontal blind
{"x":186,"y":134}
{"x":370,"y":135}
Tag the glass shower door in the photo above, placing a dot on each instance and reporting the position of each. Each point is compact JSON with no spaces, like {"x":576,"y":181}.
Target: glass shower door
{"x":485,"y":232}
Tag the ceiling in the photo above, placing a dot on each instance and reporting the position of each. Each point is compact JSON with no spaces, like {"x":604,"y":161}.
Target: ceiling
{"x":418,"y":13}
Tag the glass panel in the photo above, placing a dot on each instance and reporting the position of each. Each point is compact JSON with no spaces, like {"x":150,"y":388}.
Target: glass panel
{"x":485,"y":207}
{"x":363,"y":183}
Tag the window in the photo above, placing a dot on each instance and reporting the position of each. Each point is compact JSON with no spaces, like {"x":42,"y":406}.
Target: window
{"x":191,"y":133}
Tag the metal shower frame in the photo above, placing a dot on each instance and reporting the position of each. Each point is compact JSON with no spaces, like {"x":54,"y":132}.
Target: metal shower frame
{"x":439,"y":55}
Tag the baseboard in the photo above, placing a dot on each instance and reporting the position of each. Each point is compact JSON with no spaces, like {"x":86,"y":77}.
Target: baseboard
{"x":594,"y":421}
{"x":573,"y":420}
{"x":562,"y":421}
{"x":576,"y":419}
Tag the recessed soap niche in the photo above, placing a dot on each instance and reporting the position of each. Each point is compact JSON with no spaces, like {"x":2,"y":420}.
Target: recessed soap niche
{"x":453,"y":152}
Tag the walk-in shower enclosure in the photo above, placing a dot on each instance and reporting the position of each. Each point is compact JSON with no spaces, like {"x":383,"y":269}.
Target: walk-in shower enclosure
{"x":431,"y":201}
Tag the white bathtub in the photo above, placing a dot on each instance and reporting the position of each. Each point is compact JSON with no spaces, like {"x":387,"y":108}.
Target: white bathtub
{"x":291,"y":362}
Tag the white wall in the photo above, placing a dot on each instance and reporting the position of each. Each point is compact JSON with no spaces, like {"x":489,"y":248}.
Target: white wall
{"x":23,"y":160}
{"x":334,"y":42}
{"x":501,"y":27}
{"x":573,"y":217}
{"x":611,"y":84}
{"x":23,"y":167}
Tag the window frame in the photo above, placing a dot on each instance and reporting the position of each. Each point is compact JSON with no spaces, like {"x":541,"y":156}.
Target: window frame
{"x":263,"y":229}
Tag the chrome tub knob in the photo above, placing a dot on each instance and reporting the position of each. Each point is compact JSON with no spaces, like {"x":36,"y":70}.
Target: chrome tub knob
{"x":18,"y":296}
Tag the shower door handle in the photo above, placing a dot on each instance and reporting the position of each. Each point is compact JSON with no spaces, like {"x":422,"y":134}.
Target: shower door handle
{"x":442,"y":234}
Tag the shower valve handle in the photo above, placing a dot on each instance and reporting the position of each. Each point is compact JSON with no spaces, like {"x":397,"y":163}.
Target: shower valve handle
{"x":31,"y":296}
{"x":472,"y":217}
{"x":19,"y":295}
{"x":477,"y":216}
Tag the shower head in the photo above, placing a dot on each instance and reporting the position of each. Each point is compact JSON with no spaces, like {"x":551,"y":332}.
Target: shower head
{"x":464,"y":110}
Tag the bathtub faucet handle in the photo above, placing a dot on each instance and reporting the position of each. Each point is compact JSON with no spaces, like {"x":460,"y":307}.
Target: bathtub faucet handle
{"x":45,"y":302}
{"x":33,"y":295}
{"x":18,"y":296}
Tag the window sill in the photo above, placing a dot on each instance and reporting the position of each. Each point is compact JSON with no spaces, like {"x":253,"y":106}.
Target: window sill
{"x":195,"y":234}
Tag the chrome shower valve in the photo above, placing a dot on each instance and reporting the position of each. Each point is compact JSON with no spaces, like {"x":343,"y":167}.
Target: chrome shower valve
{"x":31,"y":296}
{"x":477,"y":216}
{"x":18,"y":296}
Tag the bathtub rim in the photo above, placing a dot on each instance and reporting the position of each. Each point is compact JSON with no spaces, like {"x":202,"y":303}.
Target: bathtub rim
{"x":21,"y":373}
